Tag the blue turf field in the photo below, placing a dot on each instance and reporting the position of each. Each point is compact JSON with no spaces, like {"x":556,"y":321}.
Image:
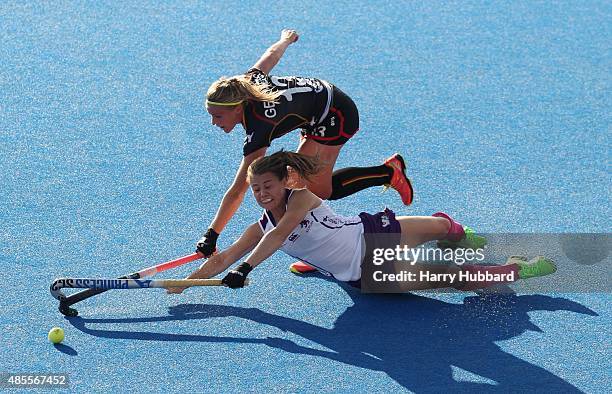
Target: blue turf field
{"x":109,"y":164}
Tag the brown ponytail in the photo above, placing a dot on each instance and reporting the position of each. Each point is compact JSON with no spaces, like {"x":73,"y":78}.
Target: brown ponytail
{"x":276,"y":163}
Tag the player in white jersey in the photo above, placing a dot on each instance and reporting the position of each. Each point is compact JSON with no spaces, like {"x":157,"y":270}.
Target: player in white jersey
{"x":323,"y":239}
{"x":300,"y":224}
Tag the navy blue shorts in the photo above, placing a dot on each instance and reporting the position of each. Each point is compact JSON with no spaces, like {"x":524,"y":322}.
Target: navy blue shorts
{"x":373,"y":225}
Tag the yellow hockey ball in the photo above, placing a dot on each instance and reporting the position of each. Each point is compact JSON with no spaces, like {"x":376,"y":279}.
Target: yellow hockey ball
{"x":56,"y":335}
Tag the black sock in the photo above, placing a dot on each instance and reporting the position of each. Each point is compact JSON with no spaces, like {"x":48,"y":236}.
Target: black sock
{"x":347,"y":181}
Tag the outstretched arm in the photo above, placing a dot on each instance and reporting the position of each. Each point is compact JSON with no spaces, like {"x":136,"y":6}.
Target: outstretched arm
{"x":300,"y":203}
{"x":235,"y":194}
{"x":207,"y":245}
{"x":272,"y":55}
{"x":220,"y":262}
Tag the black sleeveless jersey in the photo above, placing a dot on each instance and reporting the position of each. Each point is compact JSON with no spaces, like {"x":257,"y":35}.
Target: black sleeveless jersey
{"x":303,"y":104}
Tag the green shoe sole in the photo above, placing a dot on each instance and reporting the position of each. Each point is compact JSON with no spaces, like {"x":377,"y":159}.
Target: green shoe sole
{"x":536,"y":267}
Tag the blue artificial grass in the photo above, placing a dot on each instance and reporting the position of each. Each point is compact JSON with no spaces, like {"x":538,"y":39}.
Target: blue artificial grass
{"x":109,"y":164}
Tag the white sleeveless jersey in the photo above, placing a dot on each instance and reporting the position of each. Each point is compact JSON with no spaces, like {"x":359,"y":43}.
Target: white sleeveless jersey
{"x":325,"y":240}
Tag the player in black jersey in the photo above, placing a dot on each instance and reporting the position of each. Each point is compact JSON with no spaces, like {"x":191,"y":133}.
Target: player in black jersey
{"x":269,"y":107}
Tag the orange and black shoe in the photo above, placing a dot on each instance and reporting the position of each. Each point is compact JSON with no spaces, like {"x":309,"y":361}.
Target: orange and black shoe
{"x":301,"y":268}
{"x":399,"y":180}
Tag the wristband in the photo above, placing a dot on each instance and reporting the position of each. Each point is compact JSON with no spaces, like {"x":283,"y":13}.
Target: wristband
{"x":211,"y":234}
{"x":244,"y":268}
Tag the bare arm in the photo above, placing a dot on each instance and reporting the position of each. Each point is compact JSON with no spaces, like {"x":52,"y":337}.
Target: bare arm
{"x":301,"y":202}
{"x":220,"y":262}
{"x":235,"y":194}
{"x":272,"y":55}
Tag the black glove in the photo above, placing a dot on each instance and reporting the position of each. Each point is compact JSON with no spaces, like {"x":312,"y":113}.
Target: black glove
{"x":207,"y":245}
{"x":236,"y":277}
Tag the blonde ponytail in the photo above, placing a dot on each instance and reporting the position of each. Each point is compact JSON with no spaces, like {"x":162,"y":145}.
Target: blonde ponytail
{"x":237,"y":90}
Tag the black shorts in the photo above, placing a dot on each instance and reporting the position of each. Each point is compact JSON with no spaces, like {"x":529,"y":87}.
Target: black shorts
{"x":340,"y":124}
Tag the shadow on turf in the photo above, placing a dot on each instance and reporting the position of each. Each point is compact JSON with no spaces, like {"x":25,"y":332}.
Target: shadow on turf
{"x":65,"y":349}
{"x":413,"y":339}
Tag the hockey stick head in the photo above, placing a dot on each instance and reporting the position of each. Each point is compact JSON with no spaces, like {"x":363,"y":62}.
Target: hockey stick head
{"x":66,"y":310}
{"x":67,"y":300}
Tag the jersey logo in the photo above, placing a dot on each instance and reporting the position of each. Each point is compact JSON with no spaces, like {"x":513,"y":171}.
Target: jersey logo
{"x":248,"y":138}
{"x":385,"y":220}
{"x":259,"y":78}
{"x":327,"y":219}
{"x":293,"y":237}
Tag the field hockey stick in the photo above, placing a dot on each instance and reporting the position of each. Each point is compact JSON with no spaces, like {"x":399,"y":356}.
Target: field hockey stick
{"x":66,"y":301}
{"x":108,"y":284}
